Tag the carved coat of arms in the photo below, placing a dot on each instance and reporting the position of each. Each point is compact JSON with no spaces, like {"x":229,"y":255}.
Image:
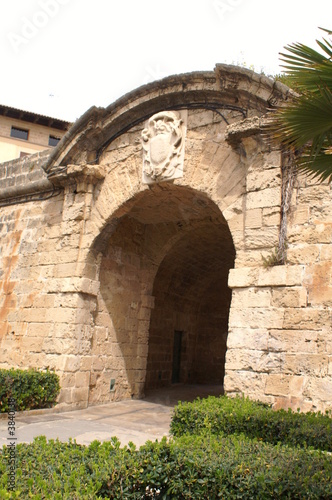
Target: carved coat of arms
{"x":163,"y":147}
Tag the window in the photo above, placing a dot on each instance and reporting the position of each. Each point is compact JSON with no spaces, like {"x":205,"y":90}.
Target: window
{"x":19,"y":133}
{"x":53,"y":141}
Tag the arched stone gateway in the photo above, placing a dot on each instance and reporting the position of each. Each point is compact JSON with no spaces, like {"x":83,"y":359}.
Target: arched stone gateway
{"x":163,"y":276}
{"x":131,"y":255}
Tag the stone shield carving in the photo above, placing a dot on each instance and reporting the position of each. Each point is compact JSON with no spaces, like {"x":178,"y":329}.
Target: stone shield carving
{"x":163,"y":147}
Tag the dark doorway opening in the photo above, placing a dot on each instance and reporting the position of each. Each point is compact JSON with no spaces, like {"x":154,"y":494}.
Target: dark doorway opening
{"x":191,"y":295}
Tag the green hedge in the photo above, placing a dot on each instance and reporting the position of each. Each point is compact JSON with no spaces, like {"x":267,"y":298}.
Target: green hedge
{"x":191,"y":467}
{"x":224,"y":415}
{"x":28,"y":388}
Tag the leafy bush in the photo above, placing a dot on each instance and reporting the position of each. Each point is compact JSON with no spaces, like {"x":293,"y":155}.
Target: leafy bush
{"x":190,"y":467}
{"x":29,"y":388}
{"x":224,"y":415}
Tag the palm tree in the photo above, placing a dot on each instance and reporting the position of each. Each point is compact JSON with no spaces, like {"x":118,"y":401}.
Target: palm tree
{"x":304,"y":125}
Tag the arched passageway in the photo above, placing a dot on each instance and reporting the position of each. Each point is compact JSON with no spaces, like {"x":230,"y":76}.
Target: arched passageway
{"x":164,"y":291}
{"x":189,"y":323}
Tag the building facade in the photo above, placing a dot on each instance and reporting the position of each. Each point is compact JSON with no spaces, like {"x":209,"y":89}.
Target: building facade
{"x":23,"y":133}
{"x":133,"y":255}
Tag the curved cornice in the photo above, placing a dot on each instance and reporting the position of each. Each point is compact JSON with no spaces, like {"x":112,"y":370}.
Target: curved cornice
{"x":227,"y":87}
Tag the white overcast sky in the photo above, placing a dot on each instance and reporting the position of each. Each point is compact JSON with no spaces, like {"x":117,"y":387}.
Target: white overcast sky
{"x":59,"y":57}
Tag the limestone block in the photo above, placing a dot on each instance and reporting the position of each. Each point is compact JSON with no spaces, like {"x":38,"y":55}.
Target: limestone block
{"x":144,"y":313}
{"x":256,"y":318}
{"x":62,"y":315}
{"x":253,"y":360}
{"x":66,"y":285}
{"x":33,"y":315}
{"x":242,"y":277}
{"x":142,"y":350}
{"x":44,"y":300}
{"x":296,"y":385}
{"x":253,"y":218}
{"x":319,"y":388}
{"x":236,"y":208}
{"x":313,"y":364}
{"x":80,"y":395}
{"x":266,"y":198}
{"x":251,"y":297}
{"x":326,"y":252}
{"x":236,"y":223}
{"x":59,"y":346}
{"x":71,"y":363}
{"x":272,"y":276}
{"x":300,"y":215}
{"x":269,"y":362}
{"x":294,"y":275}
{"x":293,"y":341}
{"x":65,"y":270}
{"x":318,"y":278}
{"x":39,"y":329}
{"x":261,"y":238}
{"x":32,"y":344}
{"x":82,"y":379}
{"x":315,"y":233}
{"x":289,"y":297}
{"x":303,"y":254}
{"x":277,"y":384}
{"x":65,"y":395}
{"x":75,"y":212}
{"x":271,"y":216}
{"x":244,"y":382}
{"x":258,"y":179}
{"x":97,"y":363}
{"x":198,"y":118}
{"x":254,"y":258}
{"x":305,"y":319}
{"x":147,"y":301}
{"x":67,"y":380}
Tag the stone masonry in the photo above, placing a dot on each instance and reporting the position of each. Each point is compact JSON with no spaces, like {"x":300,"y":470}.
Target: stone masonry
{"x":101,"y":272}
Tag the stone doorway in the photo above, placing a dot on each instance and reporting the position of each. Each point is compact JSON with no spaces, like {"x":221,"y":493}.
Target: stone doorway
{"x":164,"y":269}
{"x":189,"y":322}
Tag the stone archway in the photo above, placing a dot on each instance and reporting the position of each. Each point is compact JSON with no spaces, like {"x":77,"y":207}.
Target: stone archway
{"x":163,"y":269}
{"x":189,"y":323}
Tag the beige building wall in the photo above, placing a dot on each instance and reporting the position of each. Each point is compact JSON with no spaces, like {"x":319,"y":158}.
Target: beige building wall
{"x":98,"y":270}
{"x":38,"y":137}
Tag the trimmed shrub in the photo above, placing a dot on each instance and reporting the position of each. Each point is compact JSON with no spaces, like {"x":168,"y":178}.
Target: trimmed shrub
{"x":29,"y":389}
{"x":191,"y":467}
{"x":224,"y":415}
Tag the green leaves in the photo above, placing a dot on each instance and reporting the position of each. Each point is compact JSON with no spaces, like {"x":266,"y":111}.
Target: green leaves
{"x":29,"y":388}
{"x":224,"y":416}
{"x":189,"y":467}
{"x":304,"y":125}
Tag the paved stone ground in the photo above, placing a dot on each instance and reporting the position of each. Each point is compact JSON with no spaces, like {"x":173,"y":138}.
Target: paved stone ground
{"x":129,"y":420}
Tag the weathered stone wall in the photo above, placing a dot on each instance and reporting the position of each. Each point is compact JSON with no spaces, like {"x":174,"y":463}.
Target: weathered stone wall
{"x":279,"y":342}
{"x":98,"y":270}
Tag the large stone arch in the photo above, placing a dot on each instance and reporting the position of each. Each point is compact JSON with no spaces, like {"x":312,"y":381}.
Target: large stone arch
{"x":101,"y":158}
{"x":209,"y":200}
{"x":92,"y":257}
{"x":164,"y":267}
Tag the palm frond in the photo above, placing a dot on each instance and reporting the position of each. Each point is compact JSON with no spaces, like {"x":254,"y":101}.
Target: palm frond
{"x":294,"y":124}
{"x":305,"y":123}
{"x":319,"y":167}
